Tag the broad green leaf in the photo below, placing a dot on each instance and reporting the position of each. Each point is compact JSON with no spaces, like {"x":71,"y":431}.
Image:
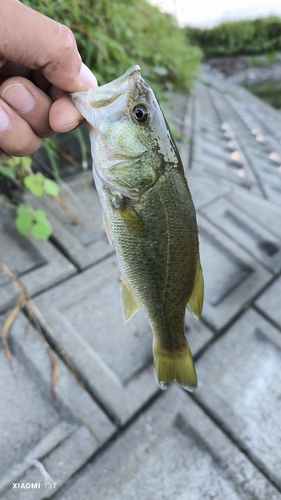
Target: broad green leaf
{"x":42,"y":230}
{"x":40,"y":215}
{"x":8,"y":172}
{"x":26,"y":161}
{"x":51,"y":187}
{"x":11,"y":161}
{"x":25,"y":210}
{"x":24,"y":224}
{"x":35,"y":183}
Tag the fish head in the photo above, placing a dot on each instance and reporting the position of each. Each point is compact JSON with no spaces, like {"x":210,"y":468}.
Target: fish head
{"x":130,"y":139}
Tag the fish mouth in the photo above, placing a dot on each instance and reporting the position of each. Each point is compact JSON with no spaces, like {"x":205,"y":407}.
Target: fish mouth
{"x":108,"y":93}
{"x":129,"y":87}
{"x":100,"y":97}
{"x":119,"y":82}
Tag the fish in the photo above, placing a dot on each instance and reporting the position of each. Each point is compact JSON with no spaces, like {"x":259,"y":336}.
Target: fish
{"x":148,"y":216}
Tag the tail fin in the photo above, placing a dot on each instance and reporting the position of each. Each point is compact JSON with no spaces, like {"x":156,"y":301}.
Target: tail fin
{"x":174,"y":367}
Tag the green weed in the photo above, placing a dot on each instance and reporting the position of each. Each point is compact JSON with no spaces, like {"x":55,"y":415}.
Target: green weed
{"x":248,"y":36}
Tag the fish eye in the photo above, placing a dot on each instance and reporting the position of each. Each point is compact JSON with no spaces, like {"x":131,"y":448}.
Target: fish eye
{"x":140,"y":113}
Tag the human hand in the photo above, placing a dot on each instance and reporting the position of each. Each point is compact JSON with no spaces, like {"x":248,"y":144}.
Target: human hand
{"x":39,"y":65}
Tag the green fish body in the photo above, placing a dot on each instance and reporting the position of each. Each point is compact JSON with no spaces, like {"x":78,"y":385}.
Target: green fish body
{"x":148,"y":214}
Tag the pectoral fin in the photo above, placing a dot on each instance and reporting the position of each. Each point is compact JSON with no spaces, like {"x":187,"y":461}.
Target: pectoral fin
{"x":195,"y":302}
{"x":130,"y":303}
{"x":134,"y":222}
{"x":106,"y":227}
{"x":130,"y":216}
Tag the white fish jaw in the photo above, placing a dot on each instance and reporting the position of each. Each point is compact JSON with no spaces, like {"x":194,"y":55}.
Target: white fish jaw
{"x":99,"y":97}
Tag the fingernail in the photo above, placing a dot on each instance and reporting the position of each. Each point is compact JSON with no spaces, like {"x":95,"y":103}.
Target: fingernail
{"x":19,"y":98}
{"x":69,"y":126}
{"x":4,"y":120}
{"x":87,"y":77}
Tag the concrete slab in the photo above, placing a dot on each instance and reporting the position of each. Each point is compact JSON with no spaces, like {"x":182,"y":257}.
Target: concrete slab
{"x":232,"y":277}
{"x":245,"y":231}
{"x":218,"y":150}
{"x":269,"y":174}
{"x":224,"y":177}
{"x":203,"y":189}
{"x":258,"y":167}
{"x":266,"y":213}
{"x":34,"y":427}
{"x":240,"y":387}
{"x":179,"y":453}
{"x":258,"y":114}
{"x":222,"y":157}
{"x":81,"y":238}
{"x":184,"y":151}
{"x":36,"y":262}
{"x":211,"y":135}
{"x":115,"y":360}
{"x":270,"y":302}
{"x":273,"y":193}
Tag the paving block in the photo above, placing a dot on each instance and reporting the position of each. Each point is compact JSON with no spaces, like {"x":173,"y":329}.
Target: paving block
{"x":218,"y":149}
{"x":269,"y":174}
{"x":203,"y":189}
{"x":270,"y":301}
{"x":233,"y":171}
{"x":179,"y":115}
{"x":213,"y":136}
{"x":115,"y":360}
{"x":224,"y":177}
{"x":232,"y":277}
{"x":83,"y":238}
{"x":230,"y":164}
{"x":240,"y":387}
{"x":184,"y":151}
{"x":36,"y":262}
{"x":209,"y":122}
{"x":37,"y":431}
{"x":264,"y":211}
{"x":173,"y":451}
{"x":246,"y":134}
{"x":245,"y":231}
{"x":273,"y":192}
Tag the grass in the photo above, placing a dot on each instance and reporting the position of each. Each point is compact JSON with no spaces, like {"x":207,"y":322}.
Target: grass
{"x":269,"y":91}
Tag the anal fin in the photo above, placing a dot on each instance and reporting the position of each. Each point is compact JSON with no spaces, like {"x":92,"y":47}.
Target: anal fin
{"x":195,"y":302}
{"x":130,"y":303}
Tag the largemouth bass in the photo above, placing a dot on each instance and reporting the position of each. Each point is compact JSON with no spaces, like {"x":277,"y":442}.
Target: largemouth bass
{"x":148,"y":215}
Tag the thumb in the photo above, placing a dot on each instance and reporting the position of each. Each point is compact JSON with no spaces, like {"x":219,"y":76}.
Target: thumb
{"x":38,"y":42}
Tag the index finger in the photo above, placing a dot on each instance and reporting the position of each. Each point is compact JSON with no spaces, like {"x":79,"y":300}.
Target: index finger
{"x":38,"y":42}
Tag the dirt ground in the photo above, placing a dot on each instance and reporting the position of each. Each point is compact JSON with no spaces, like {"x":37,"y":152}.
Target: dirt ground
{"x":228,"y":66}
